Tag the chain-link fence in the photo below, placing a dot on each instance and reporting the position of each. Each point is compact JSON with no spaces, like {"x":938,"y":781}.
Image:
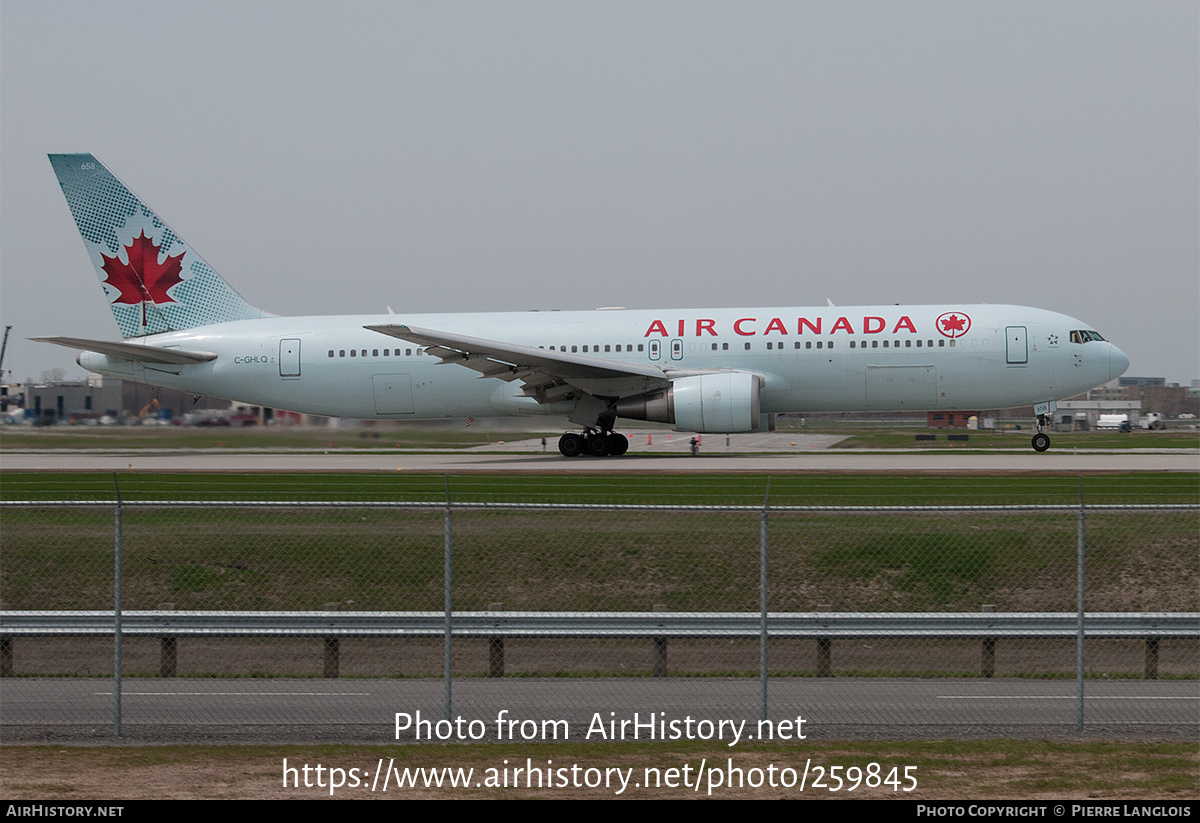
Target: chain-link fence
{"x":342,"y":614}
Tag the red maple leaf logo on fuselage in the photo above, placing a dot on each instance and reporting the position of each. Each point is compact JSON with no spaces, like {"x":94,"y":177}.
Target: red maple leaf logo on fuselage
{"x":143,"y":279}
{"x":953,"y":324}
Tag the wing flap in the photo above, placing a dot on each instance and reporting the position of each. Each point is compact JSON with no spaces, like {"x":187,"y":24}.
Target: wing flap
{"x":538,"y":369}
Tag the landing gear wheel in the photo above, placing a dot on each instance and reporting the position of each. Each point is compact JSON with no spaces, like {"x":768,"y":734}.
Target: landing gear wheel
{"x":1041,"y":442}
{"x":618,"y":444}
{"x":570,"y":444}
{"x":597,"y":445}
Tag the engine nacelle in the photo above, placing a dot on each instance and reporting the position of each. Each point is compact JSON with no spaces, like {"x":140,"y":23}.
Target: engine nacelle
{"x":707,"y":403}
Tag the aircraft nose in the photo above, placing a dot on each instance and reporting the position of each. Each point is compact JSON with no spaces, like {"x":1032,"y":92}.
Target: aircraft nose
{"x":1118,"y":362}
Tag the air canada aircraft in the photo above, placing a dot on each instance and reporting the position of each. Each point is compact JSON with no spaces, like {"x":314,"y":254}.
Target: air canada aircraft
{"x":702,"y":370}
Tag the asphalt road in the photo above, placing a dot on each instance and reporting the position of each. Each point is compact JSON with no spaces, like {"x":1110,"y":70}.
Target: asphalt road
{"x":825,"y":704}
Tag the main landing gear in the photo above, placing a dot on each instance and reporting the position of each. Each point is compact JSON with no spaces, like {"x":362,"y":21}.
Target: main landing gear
{"x":1041,"y":440}
{"x":595,"y":443}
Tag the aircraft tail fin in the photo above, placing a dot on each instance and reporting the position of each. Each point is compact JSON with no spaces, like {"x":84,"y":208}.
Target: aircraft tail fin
{"x":152,"y":279}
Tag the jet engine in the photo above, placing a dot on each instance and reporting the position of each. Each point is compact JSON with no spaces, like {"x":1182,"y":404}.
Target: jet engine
{"x":708,"y":403}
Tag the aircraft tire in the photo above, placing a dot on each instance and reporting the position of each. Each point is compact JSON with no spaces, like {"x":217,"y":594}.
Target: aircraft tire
{"x":1041,"y":442}
{"x":570,"y":444}
{"x":618,"y":444}
{"x":597,"y":445}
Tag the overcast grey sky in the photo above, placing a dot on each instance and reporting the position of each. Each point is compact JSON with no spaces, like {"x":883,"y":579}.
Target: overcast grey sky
{"x":442,"y":156}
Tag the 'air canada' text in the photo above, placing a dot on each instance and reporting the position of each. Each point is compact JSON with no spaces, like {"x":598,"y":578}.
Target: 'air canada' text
{"x":751,"y":326}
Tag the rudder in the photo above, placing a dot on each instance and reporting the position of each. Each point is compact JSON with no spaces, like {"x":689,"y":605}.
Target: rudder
{"x":153,"y":280}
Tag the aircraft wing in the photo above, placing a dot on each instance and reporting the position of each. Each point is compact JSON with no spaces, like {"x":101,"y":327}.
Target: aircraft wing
{"x":547,"y":375}
{"x":131,"y":351}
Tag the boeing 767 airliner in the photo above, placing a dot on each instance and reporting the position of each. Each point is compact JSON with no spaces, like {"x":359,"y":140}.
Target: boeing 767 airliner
{"x":702,"y":370}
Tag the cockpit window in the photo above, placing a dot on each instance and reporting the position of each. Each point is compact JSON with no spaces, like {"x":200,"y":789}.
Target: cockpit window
{"x":1083,"y":336}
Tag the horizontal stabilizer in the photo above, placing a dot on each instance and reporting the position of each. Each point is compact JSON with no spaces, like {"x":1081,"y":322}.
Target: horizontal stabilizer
{"x":131,"y":351}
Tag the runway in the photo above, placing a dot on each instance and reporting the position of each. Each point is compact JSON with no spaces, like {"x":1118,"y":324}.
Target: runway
{"x":491,"y":461}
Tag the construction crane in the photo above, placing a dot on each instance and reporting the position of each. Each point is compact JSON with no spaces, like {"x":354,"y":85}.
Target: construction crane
{"x":3,"y":348}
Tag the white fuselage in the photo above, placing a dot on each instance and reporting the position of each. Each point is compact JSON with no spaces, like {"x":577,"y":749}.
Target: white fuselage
{"x":810,"y":359}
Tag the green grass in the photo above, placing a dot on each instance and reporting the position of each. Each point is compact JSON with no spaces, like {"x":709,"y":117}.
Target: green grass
{"x":682,"y":489}
{"x":858,"y":438}
{"x":284,"y":438}
{"x":388,"y":559}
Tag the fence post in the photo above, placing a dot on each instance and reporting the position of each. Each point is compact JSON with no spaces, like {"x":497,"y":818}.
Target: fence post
{"x":824,"y":657}
{"x":1079,"y":585}
{"x":332,"y":644}
{"x":332,"y":657}
{"x":496,"y":647}
{"x":658,"y":667}
{"x":117,"y":611}
{"x":168,"y":659}
{"x":762,"y":587}
{"x":987,"y":665}
{"x":447,"y":550}
{"x":1151,"y":671}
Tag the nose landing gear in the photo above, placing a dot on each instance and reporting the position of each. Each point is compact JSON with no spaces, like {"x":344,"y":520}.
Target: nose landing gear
{"x":1041,"y":440}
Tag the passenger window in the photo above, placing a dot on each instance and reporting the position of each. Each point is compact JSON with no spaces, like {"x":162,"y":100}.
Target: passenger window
{"x":331,"y":352}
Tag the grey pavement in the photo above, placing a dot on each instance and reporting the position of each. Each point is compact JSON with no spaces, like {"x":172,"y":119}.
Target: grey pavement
{"x":824,"y":704}
{"x":814,"y":460}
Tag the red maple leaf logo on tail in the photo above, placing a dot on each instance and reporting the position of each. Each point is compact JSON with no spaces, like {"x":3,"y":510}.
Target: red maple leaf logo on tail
{"x":143,"y":279}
